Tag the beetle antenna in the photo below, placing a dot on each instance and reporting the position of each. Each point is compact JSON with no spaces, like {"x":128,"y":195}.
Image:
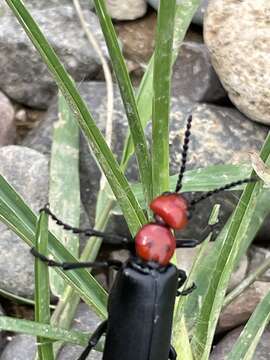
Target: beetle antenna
{"x":184,"y":154}
{"x":225,"y":187}
{"x":108,"y":238}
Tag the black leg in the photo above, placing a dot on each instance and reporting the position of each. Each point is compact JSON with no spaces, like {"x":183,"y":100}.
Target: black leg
{"x":115,"y":264}
{"x":190,"y":243}
{"x":172,"y":353}
{"x":182,"y":277}
{"x":94,"y":339}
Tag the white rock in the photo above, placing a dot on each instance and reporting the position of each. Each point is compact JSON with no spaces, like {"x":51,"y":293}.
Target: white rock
{"x":237,"y":34}
{"x":127,"y":9}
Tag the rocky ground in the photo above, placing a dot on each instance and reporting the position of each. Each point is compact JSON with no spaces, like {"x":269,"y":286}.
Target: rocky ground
{"x":221,"y":78}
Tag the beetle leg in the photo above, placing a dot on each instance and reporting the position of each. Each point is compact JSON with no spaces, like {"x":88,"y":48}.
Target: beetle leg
{"x":182,"y":277}
{"x":172,"y":353}
{"x":94,"y":339}
{"x":190,"y":243}
{"x":115,"y":264}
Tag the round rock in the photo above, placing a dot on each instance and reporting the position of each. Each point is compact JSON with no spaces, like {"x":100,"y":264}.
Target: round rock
{"x":239,"y":48}
{"x":23,"y":347}
{"x":7,"y":123}
{"x":27,"y":171}
{"x":26,"y":78}
{"x":126,"y":10}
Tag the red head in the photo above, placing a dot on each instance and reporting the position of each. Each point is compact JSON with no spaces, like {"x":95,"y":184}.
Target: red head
{"x":172,"y":208}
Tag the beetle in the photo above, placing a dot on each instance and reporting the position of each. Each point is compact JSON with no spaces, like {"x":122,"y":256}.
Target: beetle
{"x":141,"y":301}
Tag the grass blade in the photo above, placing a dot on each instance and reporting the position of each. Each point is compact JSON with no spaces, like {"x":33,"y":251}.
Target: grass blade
{"x":43,"y":330}
{"x":20,"y":218}
{"x":161,"y":96}
{"x":183,"y":15}
{"x":128,"y":98}
{"x":64,"y":189}
{"x":250,"y":336}
{"x":42,"y":290}
{"x":119,"y":184}
{"x":225,"y":263}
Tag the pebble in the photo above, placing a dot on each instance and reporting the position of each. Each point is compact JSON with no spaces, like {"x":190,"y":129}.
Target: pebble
{"x":239,"y":48}
{"x":27,"y":171}
{"x":239,"y":311}
{"x":126,"y":10}
{"x":26,"y":78}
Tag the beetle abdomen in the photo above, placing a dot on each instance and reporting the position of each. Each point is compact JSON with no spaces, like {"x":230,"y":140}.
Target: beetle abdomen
{"x":140,"y":314}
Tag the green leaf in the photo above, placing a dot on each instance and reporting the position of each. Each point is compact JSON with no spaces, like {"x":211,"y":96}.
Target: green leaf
{"x":128,"y":98}
{"x":20,"y":218}
{"x":183,"y":15}
{"x":64,"y":189}
{"x":133,"y":213}
{"x":161,"y":96}
{"x":234,"y":239}
{"x":246,"y":344}
{"x":43,"y":330}
{"x":42,"y":289}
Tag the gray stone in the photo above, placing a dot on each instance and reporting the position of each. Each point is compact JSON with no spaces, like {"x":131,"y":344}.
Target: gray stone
{"x":27,"y":171}
{"x":194,"y":75}
{"x":7,"y":123}
{"x":26,"y":78}
{"x":23,"y":347}
{"x":222,"y":349}
{"x":45,"y":4}
{"x":199,"y":15}
{"x":240,"y":309}
{"x":241,"y":57}
{"x":126,"y":10}
{"x":219,"y":135}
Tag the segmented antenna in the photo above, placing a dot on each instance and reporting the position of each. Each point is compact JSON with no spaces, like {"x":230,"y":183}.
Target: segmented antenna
{"x":225,"y":187}
{"x":108,"y":238}
{"x":184,"y":154}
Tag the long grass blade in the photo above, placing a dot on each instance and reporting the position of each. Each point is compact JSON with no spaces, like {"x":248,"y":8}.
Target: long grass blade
{"x":232,"y":243}
{"x":42,"y":289}
{"x":43,"y":330}
{"x":128,"y":98}
{"x":20,"y":218}
{"x":64,"y":189}
{"x":161,"y":96}
{"x":249,"y":338}
{"x":119,"y":184}
{"x":185,"y":9}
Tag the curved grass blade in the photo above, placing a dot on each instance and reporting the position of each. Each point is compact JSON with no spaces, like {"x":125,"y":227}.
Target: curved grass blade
{"x":128,"y":98}
{"x":118,"y":182}
{"x":250,"y":336}
{"x":232,"y":244}
{"x":161,"y":97}
{"x":19,"y":299}
{"x":64,"y":189}
{"x":42,"y":289}
{"x":183,"y":15}
{"x":19,"y":217}
{"x":43,"y":330}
